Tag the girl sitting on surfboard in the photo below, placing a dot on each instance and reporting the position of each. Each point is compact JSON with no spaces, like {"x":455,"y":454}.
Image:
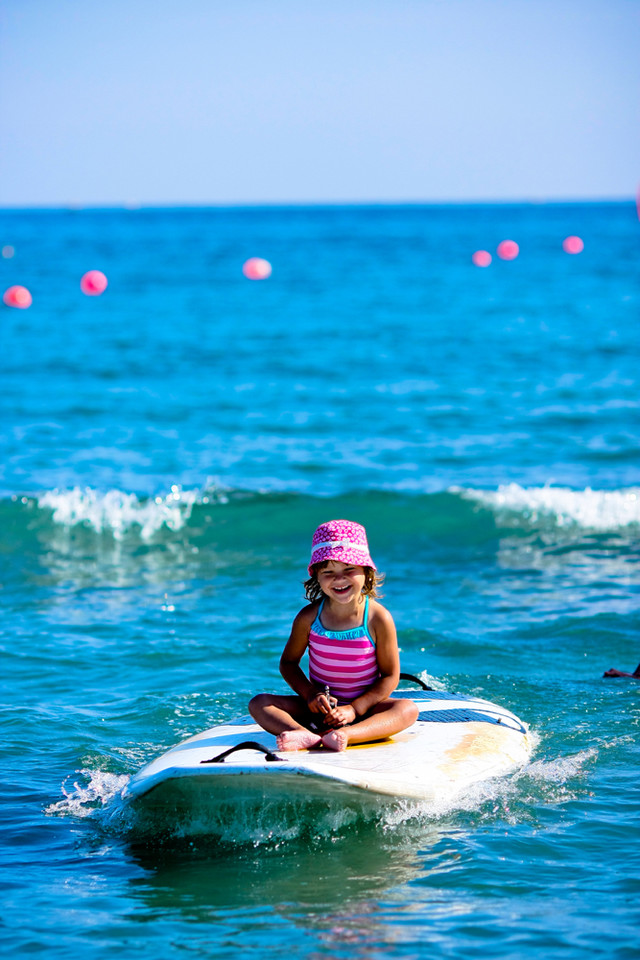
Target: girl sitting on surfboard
{"x":354,"y":665}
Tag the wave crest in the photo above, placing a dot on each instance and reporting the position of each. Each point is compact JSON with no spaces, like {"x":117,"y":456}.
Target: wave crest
{"x":121,"y":515}
{"x":600,"y":510}
{"x":118,"y":513}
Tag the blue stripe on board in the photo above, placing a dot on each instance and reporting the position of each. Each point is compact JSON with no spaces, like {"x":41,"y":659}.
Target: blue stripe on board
{"x":463,"y":715}
{"x":432,"y":695}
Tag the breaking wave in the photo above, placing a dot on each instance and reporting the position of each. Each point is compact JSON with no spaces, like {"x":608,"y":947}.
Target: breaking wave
{"x":593,"y":510}
{"x":120,"y":514}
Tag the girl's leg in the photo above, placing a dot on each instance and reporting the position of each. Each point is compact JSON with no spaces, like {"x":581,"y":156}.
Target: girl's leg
{"x":385,"y":719}
{"x":285,"y":717}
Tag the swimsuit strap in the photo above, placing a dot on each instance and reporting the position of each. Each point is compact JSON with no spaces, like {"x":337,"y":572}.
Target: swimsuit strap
{"x":364,"y":624}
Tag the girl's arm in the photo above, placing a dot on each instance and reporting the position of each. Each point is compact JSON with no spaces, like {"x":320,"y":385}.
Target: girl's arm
{"x":290,"y":662}
{"x":383,"y":630}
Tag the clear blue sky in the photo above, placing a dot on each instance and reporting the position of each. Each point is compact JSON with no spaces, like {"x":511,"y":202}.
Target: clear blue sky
{"x":203,"y":101}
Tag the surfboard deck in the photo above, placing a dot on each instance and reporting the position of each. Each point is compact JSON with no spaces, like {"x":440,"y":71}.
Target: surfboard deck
{"x":455,"y":742}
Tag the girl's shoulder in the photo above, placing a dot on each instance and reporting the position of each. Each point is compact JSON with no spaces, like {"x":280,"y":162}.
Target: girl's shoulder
{"x":377,"y":610}
{"x":379,"y":617}
{"x":307,"y":615}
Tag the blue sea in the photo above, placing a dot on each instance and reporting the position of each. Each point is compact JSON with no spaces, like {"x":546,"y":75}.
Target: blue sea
{"x":168,"y":448}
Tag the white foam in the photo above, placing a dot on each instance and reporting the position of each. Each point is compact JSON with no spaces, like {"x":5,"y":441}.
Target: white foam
{"x":588,"y":509}
{"x":83,"y":799}
{"x":118,"y":513}
{"x":562,"y":769}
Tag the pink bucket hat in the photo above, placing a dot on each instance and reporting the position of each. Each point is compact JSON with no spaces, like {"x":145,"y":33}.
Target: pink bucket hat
{"x":341,"y":540}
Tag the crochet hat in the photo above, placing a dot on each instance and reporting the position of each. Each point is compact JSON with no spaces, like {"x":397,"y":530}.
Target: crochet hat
{"x":340,"y":540}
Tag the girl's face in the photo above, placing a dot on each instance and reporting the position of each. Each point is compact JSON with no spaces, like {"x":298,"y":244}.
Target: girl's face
{"x":341,"y":582}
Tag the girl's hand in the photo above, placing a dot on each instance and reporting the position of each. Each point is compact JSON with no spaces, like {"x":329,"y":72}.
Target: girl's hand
{"x":319,"y":703}
{"x":340,"y":716}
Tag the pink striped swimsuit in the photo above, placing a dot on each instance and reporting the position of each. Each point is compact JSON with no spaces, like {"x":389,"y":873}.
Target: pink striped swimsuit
{"x":343,"y":660}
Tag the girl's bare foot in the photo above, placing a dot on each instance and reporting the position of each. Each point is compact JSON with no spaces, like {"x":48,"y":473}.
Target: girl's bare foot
{"x":297,"y":740}
{"x":336,"y":740}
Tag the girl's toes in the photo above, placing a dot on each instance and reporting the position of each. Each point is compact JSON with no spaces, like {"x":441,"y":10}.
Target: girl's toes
{"x":336,"y":740}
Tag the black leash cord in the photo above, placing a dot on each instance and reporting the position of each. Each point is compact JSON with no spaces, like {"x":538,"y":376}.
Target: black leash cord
{"x":245,"y":745}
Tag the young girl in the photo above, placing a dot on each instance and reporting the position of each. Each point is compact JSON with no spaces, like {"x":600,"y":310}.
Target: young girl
{"x":354,"y":665}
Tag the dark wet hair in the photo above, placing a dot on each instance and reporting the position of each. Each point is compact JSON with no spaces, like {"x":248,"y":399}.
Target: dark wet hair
{"x":372,"y":582}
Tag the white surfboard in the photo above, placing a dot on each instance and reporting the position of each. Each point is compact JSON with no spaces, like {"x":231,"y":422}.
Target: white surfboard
{"x":456,"y":741}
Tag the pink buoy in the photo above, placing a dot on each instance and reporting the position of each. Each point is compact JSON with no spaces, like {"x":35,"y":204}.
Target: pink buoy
{"x":508,"y":250}
{"x":481,"y":258}
{"x":572,"y":245}
{"x":255,"y":268}
{"x":93,"y":283}
{"x":17,"y":297}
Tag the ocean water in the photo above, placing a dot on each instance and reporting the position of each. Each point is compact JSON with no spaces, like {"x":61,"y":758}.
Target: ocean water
{"x":168,"y":449}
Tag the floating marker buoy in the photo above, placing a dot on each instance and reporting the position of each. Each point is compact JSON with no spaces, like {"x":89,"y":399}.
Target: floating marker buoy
{"x":508,"y":250}
{"x":481,"y":258}
{"x":255,"y":268}
{"x":572,"y":245}
{"x":93,"y":283}
{"x":17,"y":296}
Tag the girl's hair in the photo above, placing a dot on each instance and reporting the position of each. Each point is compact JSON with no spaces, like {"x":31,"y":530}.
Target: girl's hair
{"x":372,"y":581}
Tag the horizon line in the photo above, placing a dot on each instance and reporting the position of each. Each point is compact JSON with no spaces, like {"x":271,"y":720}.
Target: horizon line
{"x":134,"y":205}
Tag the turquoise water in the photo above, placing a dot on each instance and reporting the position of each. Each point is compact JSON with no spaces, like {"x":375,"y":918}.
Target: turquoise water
{"x":168,"y":449}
